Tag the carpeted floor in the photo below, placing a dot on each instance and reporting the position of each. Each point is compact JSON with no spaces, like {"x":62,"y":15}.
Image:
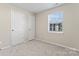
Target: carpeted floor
{"x":37,"y":48}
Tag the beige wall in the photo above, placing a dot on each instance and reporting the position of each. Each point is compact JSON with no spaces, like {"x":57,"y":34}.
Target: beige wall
{"x":70,"y":37}
{"x":4,"y":25}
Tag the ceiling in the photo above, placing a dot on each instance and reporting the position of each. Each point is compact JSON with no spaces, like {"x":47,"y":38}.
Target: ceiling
{"x":36,"y":7}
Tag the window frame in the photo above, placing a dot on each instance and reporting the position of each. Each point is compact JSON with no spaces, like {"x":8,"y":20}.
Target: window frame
{"x":53,"y":23}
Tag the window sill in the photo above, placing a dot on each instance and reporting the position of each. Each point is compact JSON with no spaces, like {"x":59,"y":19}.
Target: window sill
{"x":54,"y":32}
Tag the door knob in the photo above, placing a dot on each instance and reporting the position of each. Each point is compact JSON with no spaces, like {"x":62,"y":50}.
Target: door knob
{"x":12,"y":29}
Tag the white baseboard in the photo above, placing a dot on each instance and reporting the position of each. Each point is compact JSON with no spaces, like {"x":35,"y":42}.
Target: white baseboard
{"x":47,"y":43}
{"x":59,"y":45}
{"x":9,"y":46}
{"x":5,"y":47}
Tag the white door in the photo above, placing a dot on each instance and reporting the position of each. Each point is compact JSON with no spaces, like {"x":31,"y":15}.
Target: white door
{"x":18,"y":27}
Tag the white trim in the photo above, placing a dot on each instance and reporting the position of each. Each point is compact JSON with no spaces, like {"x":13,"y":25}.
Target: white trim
{"x":5,"y":47}
{"x":47,"y":43}
{"x":71,"y":48}
{"x":56,"y":32}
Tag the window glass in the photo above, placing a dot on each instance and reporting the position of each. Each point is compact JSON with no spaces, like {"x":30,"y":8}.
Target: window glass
{"x":55,"y":21}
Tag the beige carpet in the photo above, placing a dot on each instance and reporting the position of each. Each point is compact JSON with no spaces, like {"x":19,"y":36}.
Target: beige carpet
{"x":38,"y":48}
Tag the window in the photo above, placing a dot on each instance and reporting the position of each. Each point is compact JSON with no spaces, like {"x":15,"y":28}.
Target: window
{"x":55,"y":22}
